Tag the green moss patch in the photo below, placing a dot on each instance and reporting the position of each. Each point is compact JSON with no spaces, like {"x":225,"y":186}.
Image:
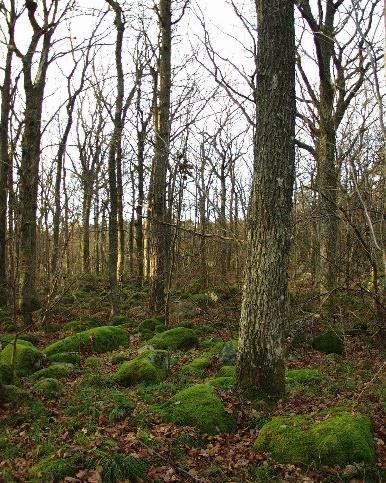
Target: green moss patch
{"x":119,"y":466}
{"x":329,"y":343}
{"x":58,"y":371}
{"x":99,"y":339}
{"x":148,"y":368}
{"x":200,"y":407}
{"x":67,"y":357}
{"x":173,"y":339}
{"x":198,"y":365}
{"x":222,"y":382}
{"x":28,"y":358}
{"x":227,"y":371}
{"x":341,"y":439}
{"x":149,"y":327}
{"x":14,"y":394}
{"x":53,"y":468}
{"x":48,"y":387}
{"x":303,"y":377}
{"x":81,"y":325}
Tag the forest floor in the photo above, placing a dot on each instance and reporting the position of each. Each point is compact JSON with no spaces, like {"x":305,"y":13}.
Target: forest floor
{"x":87,"y":428}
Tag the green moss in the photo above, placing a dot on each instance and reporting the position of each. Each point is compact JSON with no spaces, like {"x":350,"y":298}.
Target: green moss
{"x":198,"y":406}
{"x":144,"y":368}
{"x":53,"y":468}
{"x":57,"y":371}
{"x":344,"y":439}
{"x":68,"y":357}
{"x":99,"y":339}
{"x":151,"y":325}
{"x":93,"y":362}
{"x":341,"y":439}
{"x":198,"y":365}
{"x":5,"y":374}
{"x":304,"y":377}
{"x":81,"y":325}
{"x":14,"y":394}
{"x":177,"y":338}
{"x":49,"y":387}
{"x":120,"y":357}
{"x":28,"y":358}
{"x":227,"y":371}
{"x":119,"y":466}
{"x":329,"y":343}
{"x":222,"y":382}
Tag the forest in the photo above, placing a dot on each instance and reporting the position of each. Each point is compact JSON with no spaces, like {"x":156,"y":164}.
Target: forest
{"x":192,"y":241}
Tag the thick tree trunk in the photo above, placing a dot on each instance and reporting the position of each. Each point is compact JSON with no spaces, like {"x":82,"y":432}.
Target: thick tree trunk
{"x":260,"y":365}
{"x":158,"y":234}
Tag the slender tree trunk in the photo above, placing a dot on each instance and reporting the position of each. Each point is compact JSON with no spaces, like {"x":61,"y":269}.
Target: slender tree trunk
{"x":158,"y":234}
{"x":87,"y":198}
{"x":260,"y":365}
{"x":4,"y":169}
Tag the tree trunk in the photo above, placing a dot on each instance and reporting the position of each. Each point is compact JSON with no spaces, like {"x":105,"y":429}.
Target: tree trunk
{"x":158,"y":234}
{"x":260,"y":365}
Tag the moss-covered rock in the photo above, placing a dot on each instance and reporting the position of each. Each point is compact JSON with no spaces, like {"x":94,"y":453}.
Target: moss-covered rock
{"x":341,"y":439}
{"x":48,"y":387}
{"x":99,"y":339}
{"x":227,"y":371}
{"x":222,"y":382}
{"x":148,"y":368}
{"x":198,"y":365}
{"x":329,"y":343}
{"x":147,"y":328}
{"x":52,"y":468}
{"x":81,"y":325}
{"x":67,"y":357}
{"x":5,"y":374}
{"x":198,"y":406}
{"x":228,"y":354}
{"x":344,"y":439}
{"x":28,"y":359}
{"x":177,"y":338}
{"x":120,"y":357}
{"x":14,"y":394}
{"x":303,"y":377}
{"x":58,"y":371}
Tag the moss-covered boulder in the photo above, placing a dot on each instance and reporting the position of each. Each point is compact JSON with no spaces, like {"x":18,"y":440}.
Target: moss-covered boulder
{"x":49,"y":387}
{"x":147,"y":328}
{"x":65,"y":357}
{"x":340,"y":439}
{"x":14,"y":394}
{"x":28,"y":359}
{"x":58,"y":371}
{"x":148,"y":368}
{"x":52,"y":468}
{"x":228,"y":354}
{"x":173,"y":339}
{"x":81,"y":325}
{"x":227,"y":371}
{"x":5,"y":374}
{"x":199,"y":364}
{"x":222,"y":382}
{"x":302,"y":377}
{"x":99,"y":340}
{"x":200,"y":407}
{"x":93,"y":363}
{"x":329,"y":343}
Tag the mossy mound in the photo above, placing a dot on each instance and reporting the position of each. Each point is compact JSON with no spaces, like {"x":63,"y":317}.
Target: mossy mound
{"x":100,"y":340}
{"x":147,"y":368}
{"x":81,"y":325}
{"x":52,"y":468}
{"x":120,"y":357}
{"x":198,"y":365}
{"x":67,"y":357}
{"x":341,"y":439}
{"x":5,"y":374}
{"x":149,"y":327}
{"x":28,"y":358}
{"x":58,"y":371}
{"x":173,"y":339}
{"x":303,"y":377}
{"x":200,"y":407}
{"x":329,"y":343}
{"x":223,"y":382}
{"x":48,"y":387}
{"x":227,"y":371}
{"x":14,"y":394}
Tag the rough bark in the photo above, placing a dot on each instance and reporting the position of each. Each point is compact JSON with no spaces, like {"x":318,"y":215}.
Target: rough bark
{"x":158,"y":233}
{"x":260,"y":365}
